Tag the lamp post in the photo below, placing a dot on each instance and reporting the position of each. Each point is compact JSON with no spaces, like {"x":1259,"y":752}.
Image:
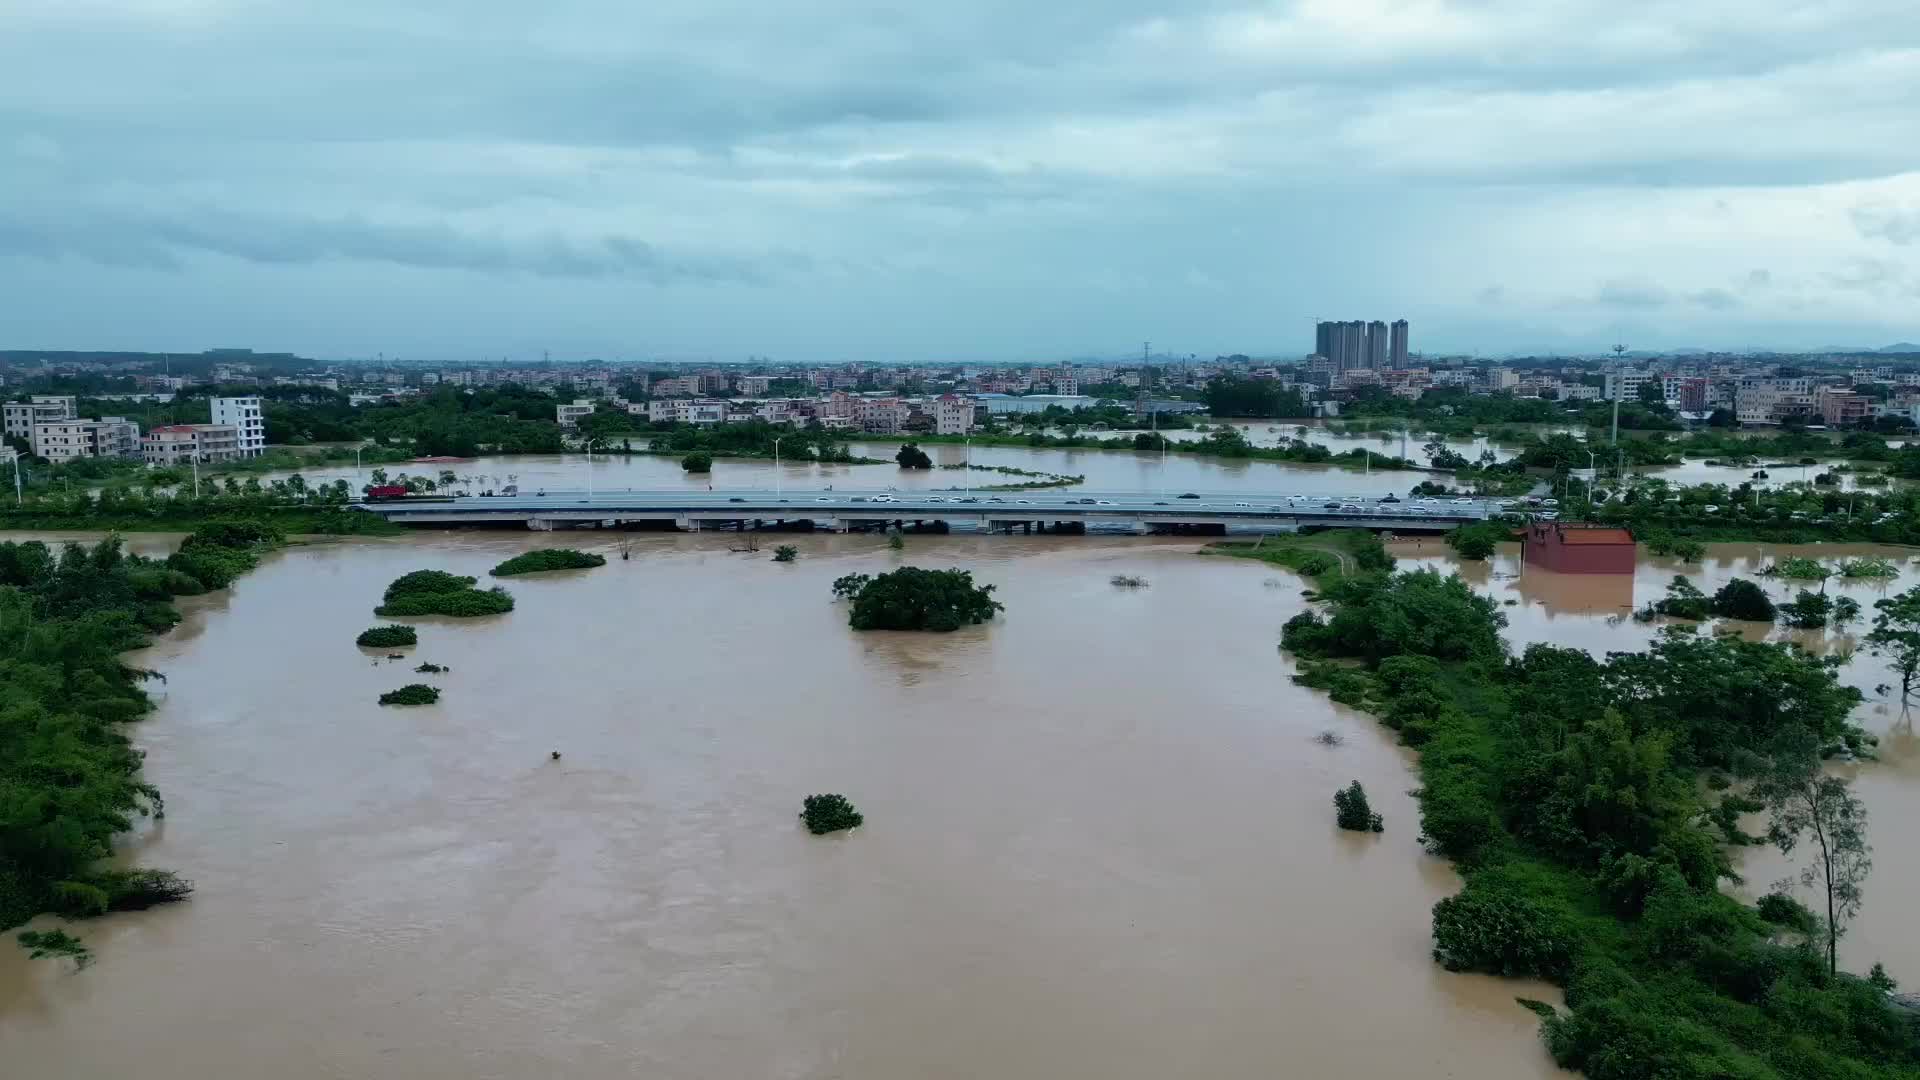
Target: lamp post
{"x":590,"y":443}
{"x":776,"y":465}
{"x":18,"y":498}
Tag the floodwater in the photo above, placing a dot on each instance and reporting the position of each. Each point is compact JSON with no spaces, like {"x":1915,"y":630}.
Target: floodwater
{"x":1593,"y":612}
{"x":1108,"y":470}
{"x":1099,"y":836}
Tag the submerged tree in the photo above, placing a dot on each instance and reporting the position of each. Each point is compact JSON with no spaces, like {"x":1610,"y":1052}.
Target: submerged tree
{"x":1896,"y":636}
{"x":1353,"y":812}
{"x":1805,"y":802}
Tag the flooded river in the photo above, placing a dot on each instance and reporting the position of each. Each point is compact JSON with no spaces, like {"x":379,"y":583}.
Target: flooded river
{"x":1099,"y":839}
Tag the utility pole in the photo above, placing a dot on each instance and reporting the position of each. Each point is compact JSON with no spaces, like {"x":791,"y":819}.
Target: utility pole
{"x":1619,"y":351}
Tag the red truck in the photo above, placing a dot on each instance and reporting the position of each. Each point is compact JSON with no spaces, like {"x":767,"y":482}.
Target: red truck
{"x":379,"y":492}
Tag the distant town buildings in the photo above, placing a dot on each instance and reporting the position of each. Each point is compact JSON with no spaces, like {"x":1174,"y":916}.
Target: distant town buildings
{"x":179,"y":444}
{"x":1361,"y":346}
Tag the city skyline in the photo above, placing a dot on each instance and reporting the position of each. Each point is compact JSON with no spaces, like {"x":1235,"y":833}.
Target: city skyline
{"x":960,"y":183}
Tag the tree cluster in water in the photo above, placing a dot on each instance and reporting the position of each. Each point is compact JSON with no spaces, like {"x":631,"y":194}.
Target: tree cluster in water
{"x":69,"y":777}
{"x":914,"y":599}
{"x":1566,"y":789}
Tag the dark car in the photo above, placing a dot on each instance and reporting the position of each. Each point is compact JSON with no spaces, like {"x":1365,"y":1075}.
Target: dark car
{"x":1330,"y":506}
{"x":1389,"y":498}
{"x":1189,"y":495}
{"x":736,"y":500}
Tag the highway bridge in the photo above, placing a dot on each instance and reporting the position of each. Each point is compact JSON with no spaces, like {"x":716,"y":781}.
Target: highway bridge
{"x":1048,"y":510}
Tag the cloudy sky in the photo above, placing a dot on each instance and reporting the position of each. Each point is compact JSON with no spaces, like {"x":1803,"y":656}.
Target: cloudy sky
{"x":972,"y":179}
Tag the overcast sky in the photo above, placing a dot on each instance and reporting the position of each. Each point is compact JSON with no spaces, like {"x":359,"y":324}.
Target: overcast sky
{"x":954,"y":180}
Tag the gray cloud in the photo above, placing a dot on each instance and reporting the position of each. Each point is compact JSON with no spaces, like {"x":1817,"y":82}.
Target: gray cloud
{"x":162,"y":241}
{"x":1633,"y":294}
{"x":1895,"y":225}
{"x":1056,"y":174}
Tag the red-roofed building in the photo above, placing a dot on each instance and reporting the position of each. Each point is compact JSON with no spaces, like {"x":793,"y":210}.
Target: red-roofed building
{"x":1575,"y":548}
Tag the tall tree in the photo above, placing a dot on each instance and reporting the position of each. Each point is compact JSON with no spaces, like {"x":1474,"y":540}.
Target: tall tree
{"x":1805,"y":802}
{"x":1896,"y":636}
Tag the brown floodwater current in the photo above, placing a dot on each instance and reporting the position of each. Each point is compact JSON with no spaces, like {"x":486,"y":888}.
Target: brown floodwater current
{"x":1099,"y":835}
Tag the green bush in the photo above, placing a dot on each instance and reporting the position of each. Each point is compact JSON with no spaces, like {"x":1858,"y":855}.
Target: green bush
{"x":912,"y":457}
{"x":829,"y":813}
{"x":534,"y":562}
{"x":421,"y":582}
{"x":44,"y":944}
{"x":1352,"y":811}
{"x":1499,"y":930}
{"x":411,"y":694}
{"x":435,"y":592}
{"x":699,"y":462}
{"x":914,"y":599}
{"x":465,"y":604}
{"x":1742,"y":599}
{"x":387,"y":637}
{"x":786,"y":553}
{"x":1478,"y":540}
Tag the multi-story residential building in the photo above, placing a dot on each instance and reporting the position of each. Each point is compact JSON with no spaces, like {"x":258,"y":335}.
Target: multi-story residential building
{"x":699,"y":412}
{"x":1397,"y":349}
{"x":569,"y":414}
{"x":21,"y":416}
{"x":1377,"y":345}
{"x":243,"y":413}
{"x":1769,"y":400}
{"x":952,"y":415}
{"x":881,"y":416}
{"x":753,"y":385}
{"x":1624,"y":385}
{"x":65,"y":440}
{"x":175,"y":444}
{"x":1842,"y":408}
{"x":1686,"y":393}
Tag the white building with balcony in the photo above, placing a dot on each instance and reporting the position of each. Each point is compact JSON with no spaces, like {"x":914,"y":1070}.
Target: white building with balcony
{"x":244,"y":416}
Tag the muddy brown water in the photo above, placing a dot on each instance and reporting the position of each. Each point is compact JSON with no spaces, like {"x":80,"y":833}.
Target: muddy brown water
{"x":1099,"y":836}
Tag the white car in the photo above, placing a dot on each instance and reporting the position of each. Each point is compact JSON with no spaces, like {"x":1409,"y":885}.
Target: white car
{"x":1463,"y":502}
{"x":1023,"y":502}
{"x":1418,"y":510}
{"x":883,"y":498}
{"x":1248,"y":505}
{"x":1104,"y":502}
{"x":824,"y":499}
{"x":934,"y":499}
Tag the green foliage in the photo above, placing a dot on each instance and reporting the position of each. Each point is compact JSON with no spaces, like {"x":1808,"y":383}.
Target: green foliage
{"x":1478,"y":540}
{"x":1565,"y":788}
{"x":436,"y":592}
{"x":1896,"y":636}
{"x":914,"y":599}
{"x":431,"y":669}
{"x":847,"y":586}
{"x":411,"y":694}
{"x":1797,"y":567}
{"x":896,"y":541}
{"x":912,"y":457}
{"x":1127,"y":581}
{"x":1260,"y":398}
{"x":1868,"y":566}
{"x":387,"y":637}
{"x":1496,"y":927}
{"x":698,"y":462}
{"x":1742,"y":599}
{"x":829,"y":813}
{"x":1683,"y":601}
{"x":69,"y":776}
{"x":1351,"y":810}
{"x":45,"y":944}
{"x":533,"y":562}
{"x":1782,"y":909}
{"x":1807,"y":610}
{"x":786,"y":553}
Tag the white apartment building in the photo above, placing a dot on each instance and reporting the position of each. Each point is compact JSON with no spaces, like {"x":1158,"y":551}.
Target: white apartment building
{"x":1625,"y":385}
{"x":753,"y":385}
{"x":1760,"y":401}
{"x":243,"y":414}
{"x":569,"y":415}
{"x":21,"y":416}
{"x":177,"y":444}
{"x":952,"y":415}
{"x":65,"y":440}
{"x":699,"y":412}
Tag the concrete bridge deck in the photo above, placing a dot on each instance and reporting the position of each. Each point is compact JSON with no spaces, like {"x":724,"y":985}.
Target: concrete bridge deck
{"x":986,"y":510}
